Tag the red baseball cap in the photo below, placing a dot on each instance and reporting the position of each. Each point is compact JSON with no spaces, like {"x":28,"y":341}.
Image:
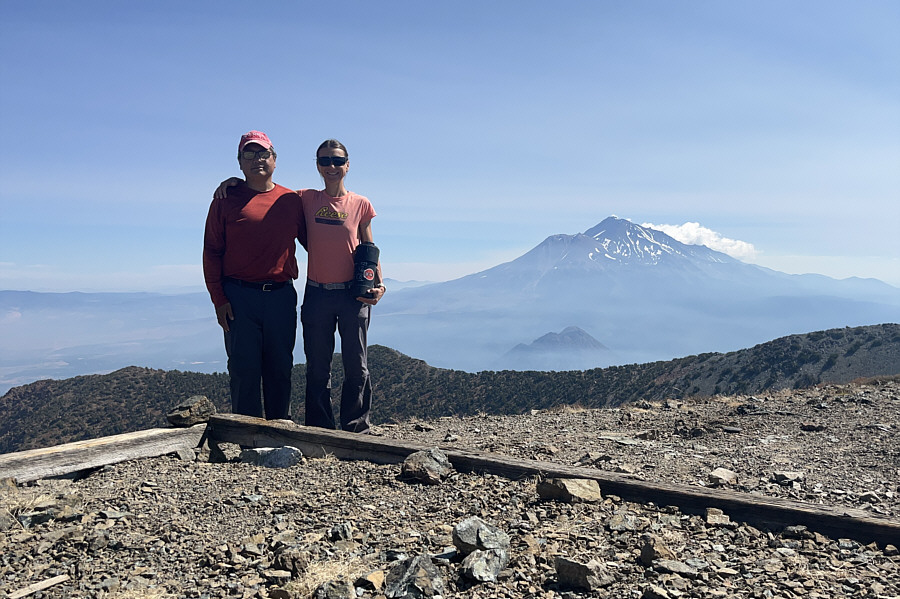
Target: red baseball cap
{"x":255,"y":137}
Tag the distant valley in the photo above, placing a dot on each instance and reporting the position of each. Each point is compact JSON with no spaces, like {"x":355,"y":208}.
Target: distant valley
{"x":634,"y":294}
{"x":51,"y":412}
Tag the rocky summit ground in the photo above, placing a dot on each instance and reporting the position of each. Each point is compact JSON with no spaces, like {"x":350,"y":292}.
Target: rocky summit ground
{"x":170,"y":527}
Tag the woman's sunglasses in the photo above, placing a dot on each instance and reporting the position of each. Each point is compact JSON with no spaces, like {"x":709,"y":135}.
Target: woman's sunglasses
{"x":331,"y":160}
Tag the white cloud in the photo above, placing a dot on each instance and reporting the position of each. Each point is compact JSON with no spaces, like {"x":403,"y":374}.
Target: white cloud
{"x":696,"y":234}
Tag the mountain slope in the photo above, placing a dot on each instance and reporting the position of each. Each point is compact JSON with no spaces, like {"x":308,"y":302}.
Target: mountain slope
{"x":51,"y":412}
{"x":570,"y":349}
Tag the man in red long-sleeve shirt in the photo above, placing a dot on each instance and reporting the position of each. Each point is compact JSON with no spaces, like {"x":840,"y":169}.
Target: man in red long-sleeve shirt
{"x":249,"y":263}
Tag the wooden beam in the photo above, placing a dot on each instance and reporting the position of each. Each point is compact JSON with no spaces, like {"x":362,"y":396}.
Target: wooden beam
{"x":38,"y":586}
{"x":757,"y":510}
{"x":34,"y":464}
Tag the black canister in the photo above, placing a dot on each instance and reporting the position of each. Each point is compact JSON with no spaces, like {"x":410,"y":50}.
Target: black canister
{"x":365,"y":264}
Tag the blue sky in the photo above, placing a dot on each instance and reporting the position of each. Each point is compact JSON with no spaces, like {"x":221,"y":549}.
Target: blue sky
{"x":477,"y":129}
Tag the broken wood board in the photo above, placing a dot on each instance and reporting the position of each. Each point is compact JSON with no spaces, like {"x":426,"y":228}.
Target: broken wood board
{"x":757,"y":510}
{"x":59,"y":460}
{"x":38,"y":586}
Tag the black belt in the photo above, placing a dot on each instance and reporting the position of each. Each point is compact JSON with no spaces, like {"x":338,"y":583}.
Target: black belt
{"x":329,"y":286}
{"x":261,"y":285}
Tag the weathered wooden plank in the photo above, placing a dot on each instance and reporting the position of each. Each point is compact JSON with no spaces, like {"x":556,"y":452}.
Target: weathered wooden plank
{"x":757,"y":510}
{"x":314,"y":442}
{"x":34,"y":464}
{"x":38,"y":586}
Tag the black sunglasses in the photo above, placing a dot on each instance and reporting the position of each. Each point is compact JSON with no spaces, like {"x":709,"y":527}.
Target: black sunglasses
{"x":331,"y":160}
{"x":251,"y":155}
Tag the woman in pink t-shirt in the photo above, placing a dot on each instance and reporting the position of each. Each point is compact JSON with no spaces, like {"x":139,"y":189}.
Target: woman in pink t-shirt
{"x":337,"y":220}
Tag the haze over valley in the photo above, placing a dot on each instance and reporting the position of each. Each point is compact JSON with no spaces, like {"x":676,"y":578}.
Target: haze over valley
{"x":617,"y":293}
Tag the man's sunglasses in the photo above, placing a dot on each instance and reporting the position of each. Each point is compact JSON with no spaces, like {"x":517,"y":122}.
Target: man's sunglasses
{"x":250,"y":155}
{"x":331,"y":160}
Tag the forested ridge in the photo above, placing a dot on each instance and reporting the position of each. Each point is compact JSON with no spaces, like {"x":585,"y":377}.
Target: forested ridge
{"x":50,"y":412}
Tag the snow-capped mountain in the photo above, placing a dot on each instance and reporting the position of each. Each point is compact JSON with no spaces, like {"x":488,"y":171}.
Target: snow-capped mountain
{"x":616,"y":243}
{"x":641,"y":293}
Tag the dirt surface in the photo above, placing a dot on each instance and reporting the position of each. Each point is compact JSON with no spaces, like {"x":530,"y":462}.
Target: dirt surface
{"x":843,"y":440}
{"x":180,"y":528}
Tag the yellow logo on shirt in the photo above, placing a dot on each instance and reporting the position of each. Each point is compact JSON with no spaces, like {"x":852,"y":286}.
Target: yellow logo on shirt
{"x":328,"y":212}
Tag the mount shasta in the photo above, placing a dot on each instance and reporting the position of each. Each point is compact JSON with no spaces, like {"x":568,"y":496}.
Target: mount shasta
{"x":635,"y":294}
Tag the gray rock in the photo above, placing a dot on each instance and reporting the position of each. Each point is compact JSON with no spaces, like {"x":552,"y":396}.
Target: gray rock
{"x":372,"y":581}
{"x":341,"y":532}
{"x":97,"y":540}
{"x":335,"y":589}
{"x":447,"y":553}
{"x":869,"y":497}
{"x":271,"y":457}
{"x":796,"y":532}
{"x":674,"y":567}
{"x":484,"y":566}
{"x":783,"y":477}
{"x":253,"y":546}
{"x":655,"y":592}
{"x":110,"y":585}
{"x":7,"y":520}
{"x":429,"y":467}
{"x":654,"y":549}
{"x":722,"y":476}
{"x":194,"y":410}
{"x":592,"y":458}
{"x":473,"y":534}
{"x":277,"y":576}
{"x":29,"y":519}
{"x":812,"y":427}
{"x":575,"y":575}
{"x":284,"y":540}
{"x":115,"y":514}
{"x":570,"y":490}
{"x":414,"y":578}
{"x":717,"y":517}
{"x":622,"y":522}
{"x":222,"y":452}
{"x":697,"y":564}
{"x":186,"y":454}
{"x":294,"y":561}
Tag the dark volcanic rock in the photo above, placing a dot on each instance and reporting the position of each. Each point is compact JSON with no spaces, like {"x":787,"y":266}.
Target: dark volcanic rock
{"x":194,"y":410}
{"x":474,"y":534}
{"x":429,"y":467}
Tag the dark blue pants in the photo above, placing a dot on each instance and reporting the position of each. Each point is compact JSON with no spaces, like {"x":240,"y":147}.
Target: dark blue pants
{"x":324,"y":310}
{"x":260,"y":346}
